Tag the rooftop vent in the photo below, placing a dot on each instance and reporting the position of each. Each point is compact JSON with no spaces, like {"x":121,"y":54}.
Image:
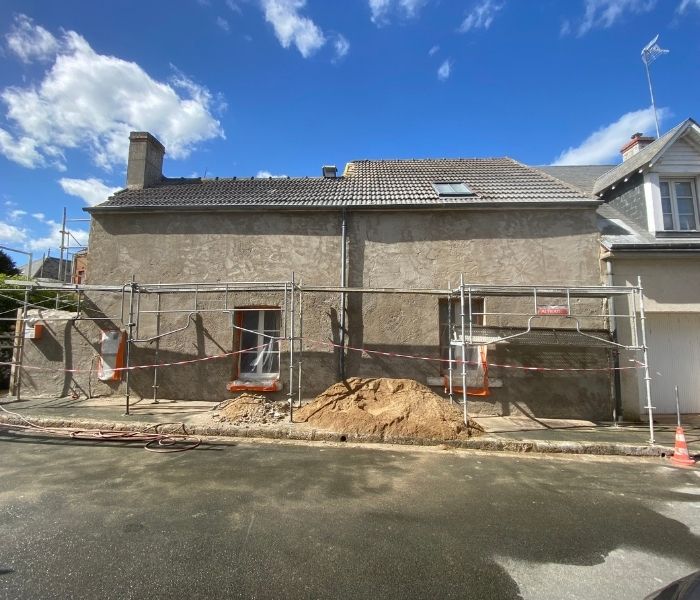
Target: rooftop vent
{"x":329,"y":171}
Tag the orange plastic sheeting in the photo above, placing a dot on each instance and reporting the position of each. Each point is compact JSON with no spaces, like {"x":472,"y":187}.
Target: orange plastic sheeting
{"x":483,"y":369}
{"x":112,"y":350}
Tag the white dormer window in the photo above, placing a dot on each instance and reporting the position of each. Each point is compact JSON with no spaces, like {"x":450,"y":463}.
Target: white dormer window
{"x":679,"y":204}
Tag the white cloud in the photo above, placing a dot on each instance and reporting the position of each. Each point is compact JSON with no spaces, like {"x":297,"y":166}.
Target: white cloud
{"x":267,"y":175}
{"x":10,"y":234}
{"x":21,"y":150}
{"x":433,"y":50}
{"x":91,"y":101}
{"x":78,"y":237}
{"x":412,"y":7}
{"x":605,"y":13}
{"x":291,"y":28}
{"x":31,"y":42}
{"x":381,"y":9}
{"x":39,"y":216}
{"x":685,"y":4}
{"x":92,"y":191}
{"x":223,"y":24}
{"x":444,"y":71}
{"x":233,"y":6}
{"x":481,"y":16}
{"x":16,"y":214}
{"x":341,"y":46}
{"x":603,"y":146}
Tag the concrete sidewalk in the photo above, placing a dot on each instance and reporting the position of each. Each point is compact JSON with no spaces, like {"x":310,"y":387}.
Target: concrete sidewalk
{"x":519,"y":434}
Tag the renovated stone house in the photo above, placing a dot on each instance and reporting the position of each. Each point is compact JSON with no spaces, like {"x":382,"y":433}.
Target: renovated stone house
{"x":372,"y":247}
{"x":650,"y":226}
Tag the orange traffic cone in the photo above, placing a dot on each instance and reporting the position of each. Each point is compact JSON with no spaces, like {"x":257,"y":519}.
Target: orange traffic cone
{"x":680,"y":453}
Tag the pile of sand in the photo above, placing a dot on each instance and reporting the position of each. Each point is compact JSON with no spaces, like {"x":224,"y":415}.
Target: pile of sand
{"x":251,"y":409}
{"x":387,"y":407}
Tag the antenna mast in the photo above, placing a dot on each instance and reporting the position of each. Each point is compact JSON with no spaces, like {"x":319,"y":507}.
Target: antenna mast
{"x":650,"y":53}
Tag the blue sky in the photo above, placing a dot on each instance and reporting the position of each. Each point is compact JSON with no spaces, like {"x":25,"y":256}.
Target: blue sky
{"x":256,"y":87}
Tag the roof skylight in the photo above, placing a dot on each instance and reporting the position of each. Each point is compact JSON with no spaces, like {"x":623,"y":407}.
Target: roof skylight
{"x":452,"y":188}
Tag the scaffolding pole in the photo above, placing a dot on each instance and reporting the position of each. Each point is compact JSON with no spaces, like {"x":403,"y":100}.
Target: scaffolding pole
{"x":290,"y":383}
{"x":157,"y":349}
{"x":130,"y":336}
{"x":20,"y":349}
{"x":450,"y":353}
{"x":645,"y":352}
{"x":463,"y":341}
{"x":301,"y":345}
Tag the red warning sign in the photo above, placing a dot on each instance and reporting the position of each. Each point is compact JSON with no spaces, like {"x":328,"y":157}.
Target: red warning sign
{"x":553,"y":310}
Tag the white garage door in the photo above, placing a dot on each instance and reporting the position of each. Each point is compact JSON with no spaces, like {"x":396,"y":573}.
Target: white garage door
{"x":674,"y":357}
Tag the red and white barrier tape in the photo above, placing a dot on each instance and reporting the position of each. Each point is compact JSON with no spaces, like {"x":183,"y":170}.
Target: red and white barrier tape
{"x":472,"y":363}
{"x":638,"y":365}
{"x":134,"y":367}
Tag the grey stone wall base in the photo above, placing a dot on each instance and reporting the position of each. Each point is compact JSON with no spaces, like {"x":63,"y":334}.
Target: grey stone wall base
{"x":492,"y":444}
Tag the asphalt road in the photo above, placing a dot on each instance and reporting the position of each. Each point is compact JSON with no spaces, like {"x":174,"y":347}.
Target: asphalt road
{"x":79,"y":520}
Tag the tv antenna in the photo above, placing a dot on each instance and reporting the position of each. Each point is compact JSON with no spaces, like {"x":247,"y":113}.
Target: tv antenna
{"x":650,"y":53}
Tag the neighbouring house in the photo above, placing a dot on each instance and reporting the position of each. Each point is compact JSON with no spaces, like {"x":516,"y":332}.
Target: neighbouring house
{"x":650,"y":226}
{"x":375,"y":248}
{"x":48,"y":267}
{"x":79,"y":267}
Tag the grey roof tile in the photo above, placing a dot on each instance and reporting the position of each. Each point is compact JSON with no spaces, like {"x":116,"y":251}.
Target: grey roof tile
{"x":581,"y":176}
{"x":366,"y":183}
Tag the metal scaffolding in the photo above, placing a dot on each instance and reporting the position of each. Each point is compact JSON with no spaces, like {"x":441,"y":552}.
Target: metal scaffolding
{"x":467,"y":331}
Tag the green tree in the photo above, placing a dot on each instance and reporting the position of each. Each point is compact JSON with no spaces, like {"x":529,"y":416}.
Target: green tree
{"x":7,"y":265}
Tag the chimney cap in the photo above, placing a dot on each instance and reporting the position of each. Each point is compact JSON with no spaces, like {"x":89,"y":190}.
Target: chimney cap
{"x":145,"y":136}
{"x":636,"y":139}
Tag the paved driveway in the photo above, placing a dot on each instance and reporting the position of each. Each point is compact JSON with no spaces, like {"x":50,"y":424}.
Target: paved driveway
{"x":79,"y":520}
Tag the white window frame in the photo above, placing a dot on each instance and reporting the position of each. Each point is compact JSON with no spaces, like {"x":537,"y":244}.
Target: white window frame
{"x":263,"y":337}
{"x":671,"y":181}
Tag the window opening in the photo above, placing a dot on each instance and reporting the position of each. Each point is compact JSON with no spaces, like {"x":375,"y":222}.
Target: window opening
{"x":259,"y":343}
{"x":678,"y":205}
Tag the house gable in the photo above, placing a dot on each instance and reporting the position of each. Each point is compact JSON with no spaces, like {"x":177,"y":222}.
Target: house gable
{"x":657,"y":189}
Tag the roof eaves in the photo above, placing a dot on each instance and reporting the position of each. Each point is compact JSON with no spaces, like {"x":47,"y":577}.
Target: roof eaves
{"x":330,"y":206}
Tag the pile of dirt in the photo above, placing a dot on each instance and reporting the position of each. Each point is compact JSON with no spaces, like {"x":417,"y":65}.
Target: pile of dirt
{"x":391,"y":408}
{"x":249,"y":409}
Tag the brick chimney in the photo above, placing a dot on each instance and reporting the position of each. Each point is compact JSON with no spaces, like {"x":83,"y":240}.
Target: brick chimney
{"x":145,"y":166}
{"x":636,"y":143}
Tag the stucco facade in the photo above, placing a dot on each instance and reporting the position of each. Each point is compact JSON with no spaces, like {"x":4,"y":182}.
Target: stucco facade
{"x":385,"y":248}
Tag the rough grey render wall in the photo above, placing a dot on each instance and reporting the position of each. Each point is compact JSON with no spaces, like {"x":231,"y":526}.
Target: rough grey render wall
{"x":628,"y":198}
{"x":385,"y":249}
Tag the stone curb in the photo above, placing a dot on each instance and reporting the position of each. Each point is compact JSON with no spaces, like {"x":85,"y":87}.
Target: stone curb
{"x":493,"y":444}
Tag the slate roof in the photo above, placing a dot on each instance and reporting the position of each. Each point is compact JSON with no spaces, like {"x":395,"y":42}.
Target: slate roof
{"x":616,"y":230}
{"x":366,"y":184}
{"x":620,"y":233}
{"x":581,"y":176}
{"x":643,"y":158}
